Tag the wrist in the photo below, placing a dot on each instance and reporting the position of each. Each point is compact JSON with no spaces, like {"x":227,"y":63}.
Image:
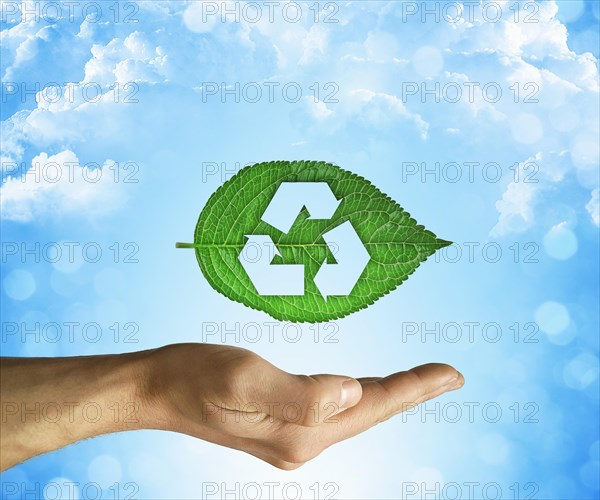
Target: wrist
{"x":153,"y":383}
{"x":113,"y":386}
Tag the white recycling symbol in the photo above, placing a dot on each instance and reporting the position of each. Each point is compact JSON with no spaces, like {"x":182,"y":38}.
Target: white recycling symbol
{"x":288,"y":279}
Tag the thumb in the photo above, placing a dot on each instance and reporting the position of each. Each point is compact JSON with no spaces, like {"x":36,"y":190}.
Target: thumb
{"x":312,"y":400}
{"x":328,"y":395}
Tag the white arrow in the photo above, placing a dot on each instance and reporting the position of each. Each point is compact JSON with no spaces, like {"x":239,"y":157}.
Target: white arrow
{"x":352,"y":258}
{"x":279,"y":279}
{"x":289,"y":199}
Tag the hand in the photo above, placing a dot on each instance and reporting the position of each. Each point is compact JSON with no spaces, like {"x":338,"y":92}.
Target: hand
{"x":233,"y":397}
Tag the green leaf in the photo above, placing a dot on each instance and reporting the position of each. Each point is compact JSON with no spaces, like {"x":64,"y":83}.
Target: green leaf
{"x":395,"y":242}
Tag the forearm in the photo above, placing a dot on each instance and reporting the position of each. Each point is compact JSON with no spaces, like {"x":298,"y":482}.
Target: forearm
{"x":48,"y":403}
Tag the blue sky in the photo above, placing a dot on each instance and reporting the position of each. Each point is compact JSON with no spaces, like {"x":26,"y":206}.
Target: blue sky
{"x":383,"y":94}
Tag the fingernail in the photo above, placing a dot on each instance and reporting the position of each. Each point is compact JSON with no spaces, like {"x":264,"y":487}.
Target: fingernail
{"x":460,"y":381}
{"x":351,"y":393}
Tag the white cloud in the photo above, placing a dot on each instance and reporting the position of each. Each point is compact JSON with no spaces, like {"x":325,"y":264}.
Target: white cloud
{"x":197,"y":19}
{"x":314,"y":44}
{"x":318,"y":109}
{"x":23,"y":40}
{"x":515,"y":209}
{"x":380,"y":108}
{"x":365,"y":55}
{"x":134,"y":59}
{"x":532,"y":177}
{"x":11,"y":133}
{"x":593,"y":207}
{"x":58,"y":185}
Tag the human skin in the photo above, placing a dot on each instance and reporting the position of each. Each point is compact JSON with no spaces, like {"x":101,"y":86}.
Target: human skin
{"x":222,"y":394}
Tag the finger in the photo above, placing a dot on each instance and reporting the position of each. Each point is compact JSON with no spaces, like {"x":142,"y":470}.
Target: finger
{"x":287,"y":446}
{"x":386,"y":397}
